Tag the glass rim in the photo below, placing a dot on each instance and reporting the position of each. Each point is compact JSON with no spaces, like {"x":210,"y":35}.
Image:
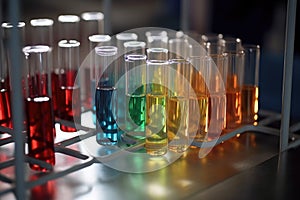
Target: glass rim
{"x":68,"y":18}
{"x":99,"y":38}
{"x":92,"y":16}
{"x":156,"y":33}
{"x":10,"y":25}
{"x":41,"y":22}
{"x":157,"y":50}
{"x":68,"y":43}
{"x":136,"y":57}
{"x":36,"y":49}
{"x":106,"y":50}
{"x":134,"y":44}
{"x":126,"y":36}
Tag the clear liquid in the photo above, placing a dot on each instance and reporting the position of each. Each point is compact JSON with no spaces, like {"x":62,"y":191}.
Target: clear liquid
{"x":106,"y":116}
{"x":156,"y":135}
{"x":177,"y":123}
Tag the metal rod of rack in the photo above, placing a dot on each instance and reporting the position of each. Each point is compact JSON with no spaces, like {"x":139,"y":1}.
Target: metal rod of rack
{"x":17,"y":103}
{"x":287,"y":73}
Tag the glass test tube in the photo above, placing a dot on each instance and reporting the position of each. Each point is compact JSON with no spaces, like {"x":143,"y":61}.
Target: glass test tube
{"x":250,"y":91}
{"x":105,"y":98}
{"x":121,"y":39}
{"x":198,"y":126}
{"x":135,"y":95}
{"x":235,"y":75}
{"x":95,"y":41}
{"x":68,"y":27}
{"x":42,"y":31}
{"x":178,"y":48}
{"x":39,"y":112}
{"x":217,"y":65}
{"x":68,"y":93}
{"x":178,"y":105}
{"x":5,"y":89}
{"x":135,"y":47}
{"x":42,"y":34}
{"x":92,"y":23}
{"x":156,"y":99}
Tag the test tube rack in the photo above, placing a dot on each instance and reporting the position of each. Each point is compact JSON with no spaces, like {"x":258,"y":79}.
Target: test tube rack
{"x":17,"y":183}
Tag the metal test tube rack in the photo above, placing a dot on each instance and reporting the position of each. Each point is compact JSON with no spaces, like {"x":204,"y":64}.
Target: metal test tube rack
{"x":19,"y":185}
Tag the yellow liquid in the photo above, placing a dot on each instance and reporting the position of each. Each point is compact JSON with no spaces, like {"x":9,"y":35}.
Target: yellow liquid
{"x":198,"y":121}
{"x":177,"y":123}
{"x":156,"y":136}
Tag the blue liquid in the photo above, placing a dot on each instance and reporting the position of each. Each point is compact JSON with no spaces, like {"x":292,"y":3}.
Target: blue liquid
{"x":106,"y":116}
{"x":93,"y":91}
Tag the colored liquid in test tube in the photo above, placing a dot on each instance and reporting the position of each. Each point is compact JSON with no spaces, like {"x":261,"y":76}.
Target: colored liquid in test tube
{"x":92,"y":23}
{"x":135,"y":95}
{"x":156,"y":98}
{"x":105,"y":98}
{"x":39,"y":111}
{"x":68,"y":93}
{"x":178,"y":105}
{"x":5,"y":89}
{"x":95,"y":41}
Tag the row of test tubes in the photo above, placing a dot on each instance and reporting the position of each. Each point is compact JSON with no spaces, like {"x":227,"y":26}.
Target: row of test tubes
{"x":176,"y":90}
{"x":166,"y":89}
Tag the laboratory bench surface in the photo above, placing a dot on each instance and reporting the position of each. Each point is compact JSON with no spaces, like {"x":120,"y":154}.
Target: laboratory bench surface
{"x":244,"y":167}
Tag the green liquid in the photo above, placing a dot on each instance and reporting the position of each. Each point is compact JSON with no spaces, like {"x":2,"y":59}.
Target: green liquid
{"x":135,"y":117}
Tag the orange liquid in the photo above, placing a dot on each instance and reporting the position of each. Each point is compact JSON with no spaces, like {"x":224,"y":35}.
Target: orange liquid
{"x":233,"y":109}
{"x":249,"y":104}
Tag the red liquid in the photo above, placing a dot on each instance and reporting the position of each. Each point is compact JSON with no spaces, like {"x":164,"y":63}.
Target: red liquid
{"x":40,"y":129}
{"x":69,"y":107}
{"x":43,"y":191}
{"x":55,"y":87}
{"x":38,"y":85}
{"x":5,"y":110}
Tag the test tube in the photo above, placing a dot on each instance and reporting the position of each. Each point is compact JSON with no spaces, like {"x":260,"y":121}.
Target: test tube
{"x":95,"y":41}
{"x":92,"y":23}
{"x":5,"y":62}
{"x":178,"y":105}
{"x":135,"y":95}
{"x":156,"y":98}
{"x":235,"y":76}
{"x":105,"y":98}
{"x":198,"y":126}
{"x":42,"y":31}
{"x":68,"y":27}
{"x":217,"y":65}
{"x":121,"y":39}
{"x":250,"y":89}
{"x":39,"y":112}
{"x":5,"y":109}
{"x":42,"y":34}
{"x":135,"y":47}
{"x":178,"y":48}
{"x":68,"y":93}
